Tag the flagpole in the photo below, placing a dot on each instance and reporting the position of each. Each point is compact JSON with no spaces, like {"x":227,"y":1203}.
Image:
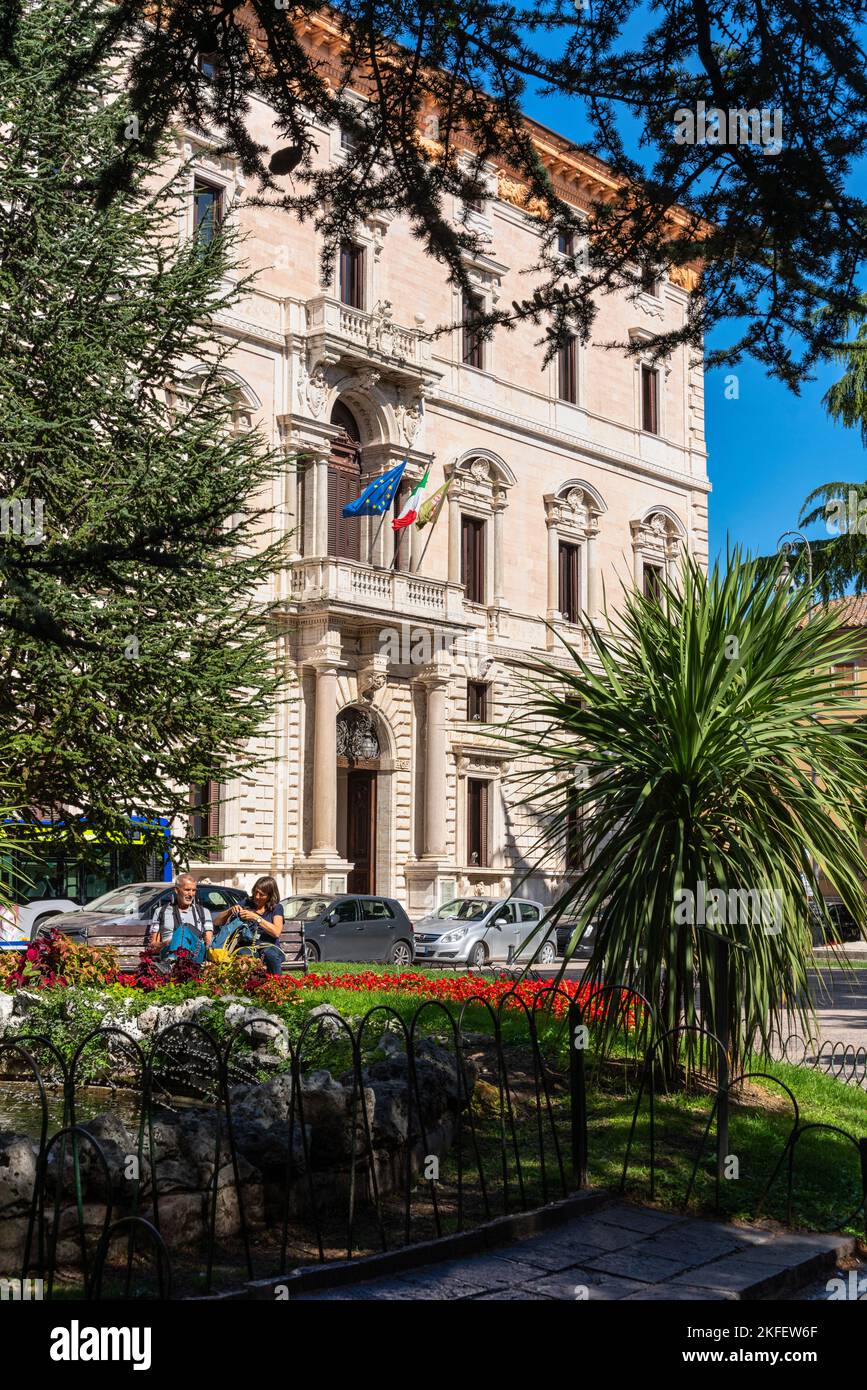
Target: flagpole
{"x":430,"y":536}
{"x":424,"y":552}
{"x":399,"y":544}
{"x":376,"y":538}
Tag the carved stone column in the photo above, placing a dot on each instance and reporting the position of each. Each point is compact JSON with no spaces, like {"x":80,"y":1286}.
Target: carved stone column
{"x":321,"y":505}
{"x":593,"y":596}
{"x":553,"y":568}
{"x":499,"y":508}
{"x":454,"y":536}
{"x":436,"y":681}
{"x":325,"y":759}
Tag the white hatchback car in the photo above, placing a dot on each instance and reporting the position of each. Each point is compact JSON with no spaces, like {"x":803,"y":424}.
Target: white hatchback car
{"x":479,"y":931}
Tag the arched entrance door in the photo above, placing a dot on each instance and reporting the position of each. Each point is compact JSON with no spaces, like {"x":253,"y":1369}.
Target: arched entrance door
{"x":358,"y":753}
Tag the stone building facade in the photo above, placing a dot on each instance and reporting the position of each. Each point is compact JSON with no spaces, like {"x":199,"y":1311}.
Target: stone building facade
{"x":568,"y":482}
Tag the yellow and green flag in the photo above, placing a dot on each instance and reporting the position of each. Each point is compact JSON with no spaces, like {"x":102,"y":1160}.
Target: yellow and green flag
{"x":432,"y":506}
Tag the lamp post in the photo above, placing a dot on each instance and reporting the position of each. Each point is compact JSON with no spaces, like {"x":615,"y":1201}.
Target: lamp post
{"x":785,"y":545}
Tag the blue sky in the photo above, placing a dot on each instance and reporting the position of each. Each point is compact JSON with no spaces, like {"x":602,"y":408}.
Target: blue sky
{"x":769,"y":448}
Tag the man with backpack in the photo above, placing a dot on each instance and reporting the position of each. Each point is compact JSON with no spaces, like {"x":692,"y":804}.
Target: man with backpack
{"x":182,"y":921}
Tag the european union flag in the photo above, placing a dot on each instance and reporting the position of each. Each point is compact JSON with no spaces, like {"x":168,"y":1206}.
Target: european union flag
{"x":378,"y":495}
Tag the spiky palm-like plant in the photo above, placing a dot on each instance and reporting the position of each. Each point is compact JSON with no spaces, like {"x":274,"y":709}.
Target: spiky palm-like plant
{"x":706,"y":750}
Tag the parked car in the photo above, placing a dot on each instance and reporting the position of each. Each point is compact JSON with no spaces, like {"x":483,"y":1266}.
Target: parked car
{"x":479,"y":931}
{"x":847,"y":927}
{"x":121,"y":917}
{"x":565,"y":928}
{"x":352,"y":927}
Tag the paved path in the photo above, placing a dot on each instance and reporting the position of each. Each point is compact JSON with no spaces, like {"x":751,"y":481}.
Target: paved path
{"x":621,"y":1252}
{"x":840,"y":996}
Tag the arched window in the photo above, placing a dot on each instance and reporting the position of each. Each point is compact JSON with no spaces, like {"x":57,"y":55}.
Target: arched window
{"x":344,"y":485}
{"x":480,"y":483}
{"x":658,"y":540}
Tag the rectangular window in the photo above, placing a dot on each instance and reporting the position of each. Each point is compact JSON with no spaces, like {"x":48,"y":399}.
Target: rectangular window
{"x":567,"y":370}
{"x":653,"y":581}
{"x":352,"y":275}
{"x":650,"y":281}
{"x":477,"y":701}
{"x":204,"y":815}
{"x":208,"y":64}
{"x":573,"y":848}
{"x":569,"y":598}
{"x":650,"y":400}
{"x":844,"y":673}
{"x":477,"y":821}
{"x":347,"y":139}
{"x":207,"y":211}
{"x":566,"y":243}
{"x":473,"y":558}
{"x":473,"y":349}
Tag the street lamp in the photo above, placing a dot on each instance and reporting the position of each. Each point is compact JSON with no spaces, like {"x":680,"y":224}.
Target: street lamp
{"x":785,"y":545}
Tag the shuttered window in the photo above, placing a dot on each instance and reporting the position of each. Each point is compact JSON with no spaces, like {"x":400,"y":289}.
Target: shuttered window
{"x":352,"y":275}
{"x":472,"y":348}
{"x":653,"y":580}
{"x":477,"y":821}
{"x":477,"y":701}
{"x":204,"y":815}
{"x":573,"y":848}
{"x":569,"y":598}
{"x":650,"y":400}
{"x":473,"y":558}
{"x":344,"y":485}
{"x":567,"y":371}
{"x":207,"y":211}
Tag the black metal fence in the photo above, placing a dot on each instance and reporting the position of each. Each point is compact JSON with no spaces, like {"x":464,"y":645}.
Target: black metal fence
{"x":215,"y":1160}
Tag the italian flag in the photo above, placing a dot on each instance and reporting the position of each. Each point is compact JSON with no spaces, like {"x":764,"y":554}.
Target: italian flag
{"x":410,"y":507}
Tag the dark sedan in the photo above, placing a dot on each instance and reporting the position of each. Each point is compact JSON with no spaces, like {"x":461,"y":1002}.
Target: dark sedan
{"x":121,"y":917}
{"x":585,"y":946}
{"x":352,"y":927}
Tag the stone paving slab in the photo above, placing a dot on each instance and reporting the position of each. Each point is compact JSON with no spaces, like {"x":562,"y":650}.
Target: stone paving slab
{"x":579,"y":1285}
{"x":618,"y":1252}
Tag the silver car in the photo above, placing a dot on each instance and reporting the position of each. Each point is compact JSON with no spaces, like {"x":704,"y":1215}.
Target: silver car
{"x":479,"y":931}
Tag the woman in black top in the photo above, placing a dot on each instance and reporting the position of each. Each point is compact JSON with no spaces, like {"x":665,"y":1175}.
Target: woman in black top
{"x":262,"y":911}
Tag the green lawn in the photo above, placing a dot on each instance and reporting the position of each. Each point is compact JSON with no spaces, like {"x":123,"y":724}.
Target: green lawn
{"x":827,"y":1171}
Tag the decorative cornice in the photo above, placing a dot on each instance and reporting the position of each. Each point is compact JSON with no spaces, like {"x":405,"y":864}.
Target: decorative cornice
{"x":588,"y":449}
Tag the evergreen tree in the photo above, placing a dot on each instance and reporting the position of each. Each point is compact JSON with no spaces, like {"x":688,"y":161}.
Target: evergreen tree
{"x":137,"y":656}
{"x":841,"y":554}
{"x":764,"y":204}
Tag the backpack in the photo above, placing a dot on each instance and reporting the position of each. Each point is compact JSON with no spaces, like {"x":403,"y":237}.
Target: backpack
{"x":198,"y":912}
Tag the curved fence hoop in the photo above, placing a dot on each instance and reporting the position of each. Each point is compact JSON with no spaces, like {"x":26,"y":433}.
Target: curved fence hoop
{"x":861,"y":1149}
{"x":648,"y":1075}
{"x":464,"y":1100}
{"x":76,"y":1132}
{"x":226,"y":1056}
{"x":189,"y":1026}
{"x":36,"y":1210}
{"x":132,"y":1224}
{"x":726,"y":1090}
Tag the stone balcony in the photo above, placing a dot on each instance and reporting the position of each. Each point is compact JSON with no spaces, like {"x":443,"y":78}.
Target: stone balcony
{"x":337,"y":332}
{"x":351,"y":585}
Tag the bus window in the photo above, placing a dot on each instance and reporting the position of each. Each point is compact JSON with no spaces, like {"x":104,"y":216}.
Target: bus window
{"x":129,"y":868}
{"x":96,"y":875}
{"x":40,"y":876}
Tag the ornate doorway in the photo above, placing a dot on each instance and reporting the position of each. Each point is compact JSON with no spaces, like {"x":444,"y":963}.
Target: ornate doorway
{"x":358,"y":752}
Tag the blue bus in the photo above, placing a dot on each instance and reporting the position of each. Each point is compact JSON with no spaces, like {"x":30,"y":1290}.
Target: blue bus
{"x":41,"y":874}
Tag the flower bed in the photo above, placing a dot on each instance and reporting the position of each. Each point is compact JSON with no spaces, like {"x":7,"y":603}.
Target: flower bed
{"x":55,"y":962}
